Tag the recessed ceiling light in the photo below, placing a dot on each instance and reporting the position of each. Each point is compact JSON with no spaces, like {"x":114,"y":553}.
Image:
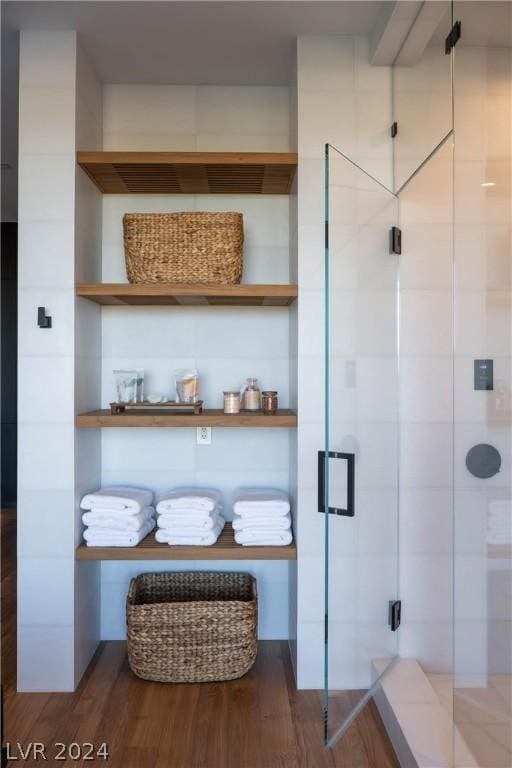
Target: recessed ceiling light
{"x":488,"y":184}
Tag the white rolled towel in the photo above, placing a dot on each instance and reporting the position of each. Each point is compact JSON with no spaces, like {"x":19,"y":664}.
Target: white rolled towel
{"x":260,"y":501}
{"x":263,"y":522}
{"x":178,"y":522}
{"x":120,"y":497}
{"x":263,"y":538}
{"x":118,"y":520}
{"x":196,"y":516}
{"x":104,"y":537}
{"x":197,"y":499}
{"x":198,"y":539}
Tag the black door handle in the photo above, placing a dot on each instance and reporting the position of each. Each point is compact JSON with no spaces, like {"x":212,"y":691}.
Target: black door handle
{"x":350,"y":458}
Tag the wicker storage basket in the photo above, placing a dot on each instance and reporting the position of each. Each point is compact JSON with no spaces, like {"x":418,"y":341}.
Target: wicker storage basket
{"x":183,"y":247}
{"x":191,"y":627}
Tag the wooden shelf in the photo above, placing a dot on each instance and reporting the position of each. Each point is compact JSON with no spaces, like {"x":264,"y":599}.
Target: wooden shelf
{"x":187,"y":173}
{"x":284,"y":418}
{"x":225,"y":549}
{"x":167,"y":294}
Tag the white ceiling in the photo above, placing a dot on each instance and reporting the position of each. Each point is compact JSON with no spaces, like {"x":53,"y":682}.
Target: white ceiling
{"x":233,"y":43}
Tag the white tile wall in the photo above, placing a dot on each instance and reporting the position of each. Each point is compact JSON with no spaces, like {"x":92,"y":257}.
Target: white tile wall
{"x":45,"y":403}
{"x":422,"y":105}
{"x":45,"y":658}
{"x":210,"y":118}
{"x":52,"y":578}
{"x":43,"y":249}
{"x":46,"y":433}
{"x":87,"y":614}
{"x":46,"y":524}
{"x":48,"y":108}
{"x":58,"y":111}
{"x":426,"y":401}
{"x":483,"y":152}
{"x":49,"y":196}
{"x":48,"y":60}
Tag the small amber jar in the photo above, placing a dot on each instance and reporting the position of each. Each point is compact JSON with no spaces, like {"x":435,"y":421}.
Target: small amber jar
{"x":269,"y":402}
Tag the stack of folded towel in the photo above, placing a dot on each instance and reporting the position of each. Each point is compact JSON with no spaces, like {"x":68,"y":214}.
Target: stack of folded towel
{"x":118,"y":516}
{"x":499,"y":523}
{"x":190,"y":516}
{"x":262,"y":517}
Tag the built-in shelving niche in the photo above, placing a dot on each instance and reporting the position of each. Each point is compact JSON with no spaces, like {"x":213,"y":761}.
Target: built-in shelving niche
{"x":267,"y":173}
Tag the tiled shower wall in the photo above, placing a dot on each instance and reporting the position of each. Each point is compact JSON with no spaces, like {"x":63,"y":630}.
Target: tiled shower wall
{"x":483,"y":329}
{"x":426,"y":410}
{"x":455,"y":308}
{"x":226,"y":345}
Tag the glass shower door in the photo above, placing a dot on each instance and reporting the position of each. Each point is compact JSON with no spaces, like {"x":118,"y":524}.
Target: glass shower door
{"x":358,"y":467}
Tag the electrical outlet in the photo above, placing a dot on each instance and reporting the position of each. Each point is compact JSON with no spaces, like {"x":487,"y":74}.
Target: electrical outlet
{"x":204,"y":435}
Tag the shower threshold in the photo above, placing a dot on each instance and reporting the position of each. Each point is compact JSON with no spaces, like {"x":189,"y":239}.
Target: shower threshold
{"x":418,"y":713}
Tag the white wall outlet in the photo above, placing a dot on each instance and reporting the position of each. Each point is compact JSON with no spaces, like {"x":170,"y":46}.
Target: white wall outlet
{"x":204,"y":435}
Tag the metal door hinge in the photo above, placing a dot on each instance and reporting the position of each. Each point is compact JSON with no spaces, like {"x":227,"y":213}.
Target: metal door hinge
{"x":395,"y":614}
{"x":394,"y":129}
{"x":453,"y":37}
{"x":395,"y":240}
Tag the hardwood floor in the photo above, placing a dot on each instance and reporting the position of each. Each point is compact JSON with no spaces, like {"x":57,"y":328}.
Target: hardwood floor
{"x":259,"y":721}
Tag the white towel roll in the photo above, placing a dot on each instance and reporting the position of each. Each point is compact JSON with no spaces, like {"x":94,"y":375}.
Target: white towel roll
{"x":199,"y":499}
{"x":117,"y":520}
{"x":263,"y":538}
{"x":202,"y":539}
{"x":120,"y":497}
{"x":174,"y":522}
{"x":260,"y":501}
{"x":263,"y":522}
{"x":102,"y":537}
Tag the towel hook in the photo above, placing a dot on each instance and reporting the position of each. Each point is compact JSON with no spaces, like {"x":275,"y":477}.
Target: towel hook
{"x":43,"y":320}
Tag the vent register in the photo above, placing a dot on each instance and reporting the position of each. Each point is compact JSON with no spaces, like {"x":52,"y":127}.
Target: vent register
{"x":190,"y":173}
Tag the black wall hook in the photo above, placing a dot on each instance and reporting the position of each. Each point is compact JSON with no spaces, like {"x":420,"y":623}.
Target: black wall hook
{"x":43,"y":320}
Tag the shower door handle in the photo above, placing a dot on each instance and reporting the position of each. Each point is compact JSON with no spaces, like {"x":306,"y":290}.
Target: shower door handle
{"x":350,"y":459}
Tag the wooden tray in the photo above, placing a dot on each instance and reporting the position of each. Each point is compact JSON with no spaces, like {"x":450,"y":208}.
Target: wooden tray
{"x":195,"y":408}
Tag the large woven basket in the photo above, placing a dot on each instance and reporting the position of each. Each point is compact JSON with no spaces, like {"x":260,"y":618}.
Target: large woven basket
{"x":183,"y":247}
{"x":190,"y":627}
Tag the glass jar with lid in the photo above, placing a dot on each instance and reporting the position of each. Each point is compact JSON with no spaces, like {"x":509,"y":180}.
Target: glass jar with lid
{"x":231,"y":402}
{"x":251,"y":396}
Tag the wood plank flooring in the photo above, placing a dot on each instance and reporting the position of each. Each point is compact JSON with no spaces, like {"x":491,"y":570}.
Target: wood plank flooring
{"x":259,"y":721}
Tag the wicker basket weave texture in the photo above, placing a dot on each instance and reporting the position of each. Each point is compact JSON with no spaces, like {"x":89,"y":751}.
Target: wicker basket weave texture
{"x":193,"y":247}
{"x":189,"y":627}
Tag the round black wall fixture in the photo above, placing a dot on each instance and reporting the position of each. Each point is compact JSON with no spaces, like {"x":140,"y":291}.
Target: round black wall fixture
{"x":483,"y":460}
